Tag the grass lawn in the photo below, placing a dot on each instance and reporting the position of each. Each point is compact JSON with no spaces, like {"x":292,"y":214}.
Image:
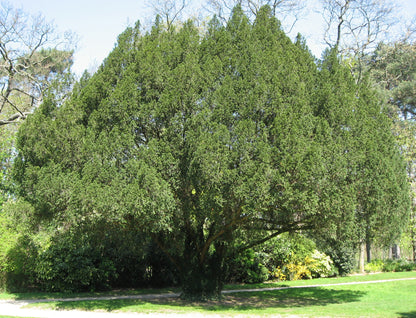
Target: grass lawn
{"x":387,"y":299}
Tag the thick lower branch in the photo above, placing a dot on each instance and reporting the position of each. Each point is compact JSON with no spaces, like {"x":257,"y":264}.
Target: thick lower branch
{"x":211,"y":239}
{"x":292,"y":227}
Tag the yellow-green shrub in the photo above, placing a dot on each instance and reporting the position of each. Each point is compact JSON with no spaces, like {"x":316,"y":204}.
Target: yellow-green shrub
{"x":316,"y":264}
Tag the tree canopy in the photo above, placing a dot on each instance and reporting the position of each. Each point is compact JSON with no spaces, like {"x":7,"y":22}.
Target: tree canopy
{"x":212,"y":143}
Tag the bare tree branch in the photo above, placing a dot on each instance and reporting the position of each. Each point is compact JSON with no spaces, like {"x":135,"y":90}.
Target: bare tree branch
{"x":31,"y":54}
{"x":169,"y":10}
{"x":356,"y":26}
{"x":13,"y":118}
{"x":287,"y":11}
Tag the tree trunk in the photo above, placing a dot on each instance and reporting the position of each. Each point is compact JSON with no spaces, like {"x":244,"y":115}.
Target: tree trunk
{"x":362,"y":258}
{"x":202,"y":271}
{"x":202,"y":281}
{"x":368,"y":250}
{"x":395,"y":251}
{"x":413,"y":237}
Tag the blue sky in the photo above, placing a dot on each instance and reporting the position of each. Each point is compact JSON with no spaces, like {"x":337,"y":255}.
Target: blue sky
{"x":98,"y":23}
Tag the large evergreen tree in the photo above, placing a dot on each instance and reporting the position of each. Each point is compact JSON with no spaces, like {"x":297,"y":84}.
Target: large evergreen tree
{"x":209,"y":144}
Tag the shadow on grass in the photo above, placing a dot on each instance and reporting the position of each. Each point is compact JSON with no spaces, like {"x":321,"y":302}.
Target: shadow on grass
{"x":115,"y":293}
{"x":299,"y":297}
{"x":411,"y":314}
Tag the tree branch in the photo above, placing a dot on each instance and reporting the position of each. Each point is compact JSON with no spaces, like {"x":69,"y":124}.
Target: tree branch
{"x":23,"y":67}
{"x":293,"y":227}
{"x":213,"y":238}
{"x":14,"y":118}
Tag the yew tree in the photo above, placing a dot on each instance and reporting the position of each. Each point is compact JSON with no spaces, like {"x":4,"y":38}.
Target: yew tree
{"x":209,"y":143}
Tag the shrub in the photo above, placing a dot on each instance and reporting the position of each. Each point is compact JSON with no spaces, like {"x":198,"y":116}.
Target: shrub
{"x":314,"y":265}
{"x":342,"y":255}
{"x":18,"y":253}
{"x":246,"y":268}
{"x":297,"y":271}
{"x":284,"y":249}
{"x":278,"y":274}
{"x":374,"y":266}
{"x":70,"y":265}
{"x":159,"y":271}
{"x":389,"y":265}
{"x":18,"y":263}
{"x":320,"y":264}
{"x":294,"y":256}
{"x":102,"y":256}
{"x":398,"y":265}
{"x":292,"y":271}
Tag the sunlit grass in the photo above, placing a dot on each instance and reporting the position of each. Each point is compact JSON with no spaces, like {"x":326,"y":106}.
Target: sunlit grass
{"x":320,"y":281}
{"x":387,"y":299}
{"x":331,"y":280}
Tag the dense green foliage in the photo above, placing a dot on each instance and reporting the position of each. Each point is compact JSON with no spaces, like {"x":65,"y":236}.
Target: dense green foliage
{"x":365,"y":165}
{"x":393,"y":68}
{"x":206,"y":146}
{"x":292,"y":256}
{"x":396,"y":265}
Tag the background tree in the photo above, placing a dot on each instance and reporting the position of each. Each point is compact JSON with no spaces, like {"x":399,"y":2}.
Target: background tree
{"x":393,"y":68}
{"x":357,"y":147}
{"x":287,"y":11}
{"x":6,"y":156}
{"x":170,"y":11}
{"x":31,"y":55}
{"x":355,"y":27}
{"x":406,"y":135}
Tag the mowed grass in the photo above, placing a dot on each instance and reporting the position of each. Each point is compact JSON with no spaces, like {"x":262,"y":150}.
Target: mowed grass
{"x":9,"y":316}
{"x":384,"y":299}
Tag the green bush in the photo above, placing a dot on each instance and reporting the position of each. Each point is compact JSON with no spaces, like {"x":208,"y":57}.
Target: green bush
{"x":18,"y":253}
{"x":398,"y":265}
{"x":294,"y":256}
{"x":246,"y":268}
{"x":72,"y":264}
{"x":320,"y":265}
{"x":20,"y":264}
{"x":374,"y":266}
{"x":284,"y":249}
{"x":390,"y":265}
{"x":102,"y":256}
{"x":159,"y":270}
{"x":342,"y":255}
